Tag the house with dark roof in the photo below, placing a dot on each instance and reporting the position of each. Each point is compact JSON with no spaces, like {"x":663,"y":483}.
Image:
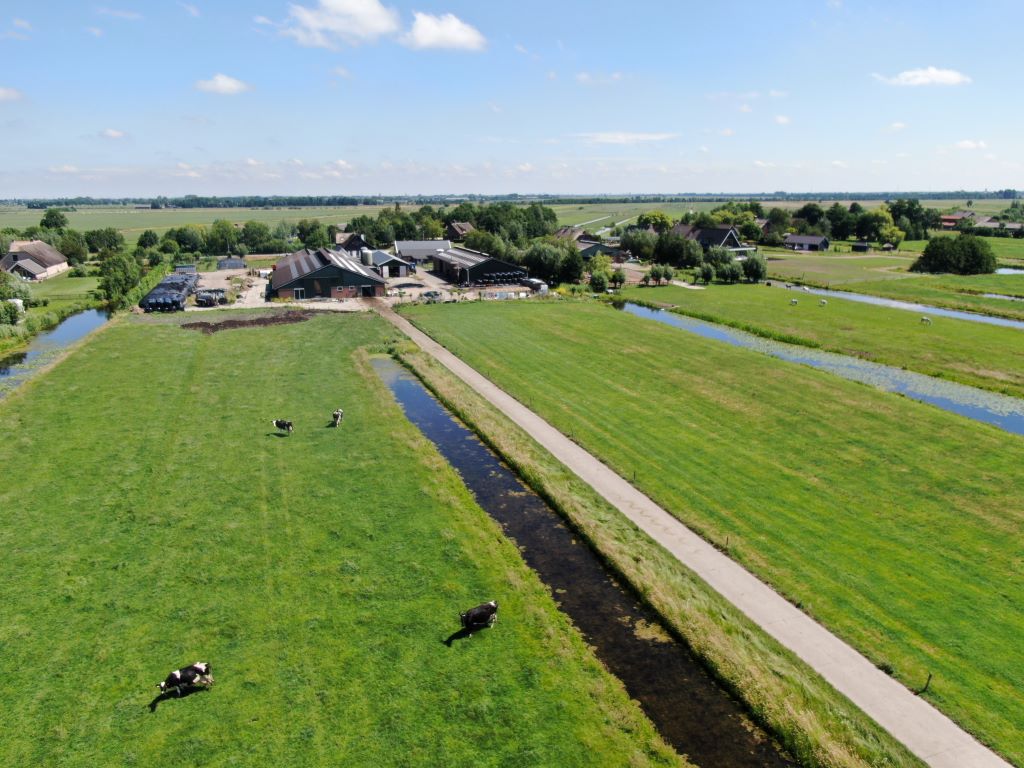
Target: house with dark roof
{"x":464,"y":266}
{"x":352,"y":242}
{"x":575,"y":233}
{"x":386,"y":265}
{"x":458,"y":230}
{"x":419,"y":251}
{"x":806,"y":242}
{"x":33,"y":260}
{"x":589,"y":249}
{"x":322,"y":273}
{"x":712,"y":237}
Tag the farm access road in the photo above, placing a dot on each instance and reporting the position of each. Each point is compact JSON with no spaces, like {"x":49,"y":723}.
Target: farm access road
{"x":925,"y":731}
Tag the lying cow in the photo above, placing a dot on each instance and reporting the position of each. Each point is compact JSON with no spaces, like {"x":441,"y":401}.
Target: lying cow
{"x":195,"y":675}
{"x":338,"y":416}
{"x":483,"y":615}
{"x":284,"y":426}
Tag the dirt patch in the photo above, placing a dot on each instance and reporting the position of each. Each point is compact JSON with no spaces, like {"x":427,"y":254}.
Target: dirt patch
{"x":295,"y":316}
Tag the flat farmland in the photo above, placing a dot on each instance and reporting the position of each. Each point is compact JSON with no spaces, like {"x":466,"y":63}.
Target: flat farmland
{"x":898,"y":525}
{"x":981,"y":355}
{"x":318,"y":572}
{"x":1005,"y":248}
{"x":953,"y":292}
{"x":63,"y":290}
{"x":132,"y":222}
{"x":610,"y":214}
{"x":825,"y":269}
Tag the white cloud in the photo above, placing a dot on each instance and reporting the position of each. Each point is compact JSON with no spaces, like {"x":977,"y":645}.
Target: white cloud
{"x":970,"y":144}
{"x":763,"y":164}
{"x":839,"y":164}
{"x":222,"y":84}
{"x":745,"y":108}
{"x":727,"y":132}
{"x":448,"y":31}
{"x":263,"y":20}
{"x":94,"y":31}
{"x":10,"y":94}
{"x":63,"y":169}
{"x":520,"y":48}
{"x":119,"y":14}
{"x":341,"y":72}
{"x":897,"y":126}
{"x":926,"y":76}
{"x":589,"y":78}
{"x":337,"y":169}
{"x":21,"y":24}
{"x":495,"y":108}
{"x":112,"y":133}
{"x":252,"y":162}
{"x":552,"y":75}
{"x":783,"y":119}
{"x":624,"y":137}
{"x":777,"y":94}
{"x":346,"y":21}
{"x":835,"y":4}
{"x":524,"y":167}
{"x":703,"y":149}
{"x":296,"y":162}
{"x":183,"y":166}
{"x":190,"y":9}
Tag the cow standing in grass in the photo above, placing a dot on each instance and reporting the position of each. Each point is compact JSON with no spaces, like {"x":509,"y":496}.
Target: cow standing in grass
{"x":195,"y":675}
{"x":338,"y":416}
{"x":483,"y":615}
{"x":283,"y":425}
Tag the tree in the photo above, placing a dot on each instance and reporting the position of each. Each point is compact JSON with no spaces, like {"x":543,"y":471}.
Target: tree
{"x":598,"y":282}
{"x":755,"y":268}
{"x":72,"y":244}
{"x":256,"y":235}
{"x":543,"y":260}
{"x":670,"y":248}
{"x":812,"y":213}
{"x":640,"y":243}
{"x":890,"y":233}
{"x":571,"y":270}
{"x":222,"y":237}
{"x":718,"y":257}
{"x":431,"y":229}
{"x":729,"y":273}
{"x":841,"y":221}
{"x":54,"y":218}
{"x":778,"y":220}
{"x":655,"y":273}
{"x":618,"y":278}
{"x":119,"y":273}
{"x":107,"y":238}
{"x":963,"y":255}
{"x":667,"y":273}
{"x":487,"y":242}
{"x":707,"y":273}
{"x":656,"y":220}
{"x":148,"y":239}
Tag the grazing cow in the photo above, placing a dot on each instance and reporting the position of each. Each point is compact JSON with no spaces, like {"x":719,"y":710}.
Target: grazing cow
{"x":283,"y":425}
{"x":793,"y":302}
{"x":806,"y":289}
{"x":822,"y":303}
{"x":198,"y":674}
{"x":483,"y":615}
{"x":926,"y":320}
{"x":338,"y":416}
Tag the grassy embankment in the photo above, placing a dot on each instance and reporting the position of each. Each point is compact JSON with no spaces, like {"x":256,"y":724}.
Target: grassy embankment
{"x":815,"y":723}
{"x":159,"y":520}
{"x":896,"y":524}
{"x":67,"y":296}
{"x":981,"y":355}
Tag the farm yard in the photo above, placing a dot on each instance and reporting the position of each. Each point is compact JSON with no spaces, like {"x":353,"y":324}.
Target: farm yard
{"x":319,"y":573}
{"x":977,"y":354}
{"x":894,"y":523}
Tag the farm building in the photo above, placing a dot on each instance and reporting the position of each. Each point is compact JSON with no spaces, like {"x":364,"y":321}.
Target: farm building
{"x":458,"y":230}
{"x":714,"y":237}
{"x":386,"y":265}
{"x":464,"y":267}
{"x":33,"y":260}
{"x":589,"y":249}
{"x":806,"y":242}
{"x":575,"y":233}
{"x":861,"y":246}
{"x":322,"y":273}
{"x":418,"y":251}
{"x":232,"y":262}
{"x":350,"y":241}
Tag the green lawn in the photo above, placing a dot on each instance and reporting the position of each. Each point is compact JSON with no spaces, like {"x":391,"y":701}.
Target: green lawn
{"x":981,"y":355}
{"x":1009,"y":249}
{"x":898,"y":525}
{"x":64,"y":290}
{"x":832,"y":270}
{"x":953,"y":292}
{"x":155,"y":519}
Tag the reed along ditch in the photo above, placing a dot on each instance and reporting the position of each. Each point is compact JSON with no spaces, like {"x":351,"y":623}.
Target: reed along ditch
{"x":693,"y":713}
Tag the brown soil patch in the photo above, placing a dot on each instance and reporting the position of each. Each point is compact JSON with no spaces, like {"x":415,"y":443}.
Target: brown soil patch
{"x":294,"y":316}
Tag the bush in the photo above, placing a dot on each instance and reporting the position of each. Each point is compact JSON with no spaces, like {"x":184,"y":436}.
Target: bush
{"x":755,"y":268}
{"x":706,"y":273}
{"x":730,"y":272}
{"x":962,"y":255}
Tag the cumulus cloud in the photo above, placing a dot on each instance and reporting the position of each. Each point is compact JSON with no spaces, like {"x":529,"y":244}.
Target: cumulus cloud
{"x":447,"y":31}
{"x":925,"y":76}
{"x":222,"y":84}
{"x":10,"y":94}
{"x":112,"y":133}
{"x":970,"y":144}
{"x":119,"y":14}
{"x":624,"y":137}
{"x":783,"y":119}
{"x":340,"y":21}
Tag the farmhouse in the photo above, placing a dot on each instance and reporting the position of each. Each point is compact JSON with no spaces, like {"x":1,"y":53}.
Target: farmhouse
{"x":589,"y":249}
{"x":714,"y":237}
{"x":350,"y":241}
{"x":386,"y":265}
{"x":310,"y":273}
{"x":464,"y":266}
{"x":33,"y":260}
{"x":458,"y":230}
{"x":806,"y":242}
{"x":418,"y":251}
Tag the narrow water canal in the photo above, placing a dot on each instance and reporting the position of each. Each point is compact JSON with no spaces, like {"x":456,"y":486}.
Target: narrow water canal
{"x":16,"y":369}
{"x":1001,"y":411}
{"x":691,"y":711}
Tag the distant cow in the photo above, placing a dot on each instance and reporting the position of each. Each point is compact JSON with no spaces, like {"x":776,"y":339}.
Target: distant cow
{"x":195,"y":675}
{"x":284,"y":426}
{"x":822,"y":303}
{"x":483,"y":615}
{"x":793,"y":302}
{"x":926,"y":320}
{"x":338,"y":416}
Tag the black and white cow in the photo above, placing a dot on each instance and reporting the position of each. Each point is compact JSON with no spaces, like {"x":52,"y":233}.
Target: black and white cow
{"x":285,"y":426}
{"x":483,"y":615}
{"x":198,"y":674}
{"x":338,"y":416}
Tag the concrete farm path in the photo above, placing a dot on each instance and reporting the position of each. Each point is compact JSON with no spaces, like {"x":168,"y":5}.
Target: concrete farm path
{"x":925,"y":731}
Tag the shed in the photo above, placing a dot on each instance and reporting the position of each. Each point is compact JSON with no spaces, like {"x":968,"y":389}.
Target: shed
{"x":589,"y":249}
{"x":861,"y":246}
{"x":350,"y":241}
{"x":806,"y":242}
{"x":322,"y":273}
{"x":420,"y":250}
{"x":232,"y":262}
{"x":457,"y":230}
{"x":386,"y":265}
{"x":464,"y":266}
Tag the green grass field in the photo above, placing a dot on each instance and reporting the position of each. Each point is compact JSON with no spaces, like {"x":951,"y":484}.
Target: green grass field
{"x":826,"y":269}
{"x":64,"y":290}
{"x":898,"y":525}
{"x":158,"y":520}
{"x":133,"y":222}
{"x":1009,"y":249}
{"x":953,"y":292}
{"x":981,"y":355}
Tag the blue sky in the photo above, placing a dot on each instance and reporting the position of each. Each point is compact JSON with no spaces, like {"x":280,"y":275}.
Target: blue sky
{"x":478,"y":96}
